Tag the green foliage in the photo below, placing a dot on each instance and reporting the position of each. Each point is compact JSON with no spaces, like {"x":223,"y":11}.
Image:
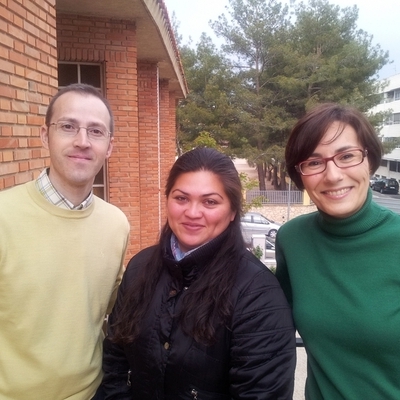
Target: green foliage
{"x":258,"y":252}
{"x":205,"y":140}
{"x":273,"y":270}
{"x":335,"y":60}
{"x":209,"y":106}
{"x":247,"y":95}
{"x":248,"y":184}
{"x":389,"y":146}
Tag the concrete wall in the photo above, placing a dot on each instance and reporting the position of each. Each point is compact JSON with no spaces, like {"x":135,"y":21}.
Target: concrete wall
{"x":279,"y":213}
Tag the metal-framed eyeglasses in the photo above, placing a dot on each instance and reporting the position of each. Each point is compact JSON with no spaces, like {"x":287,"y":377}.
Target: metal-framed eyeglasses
{"x":93,"y":132}
{"x":344,"y":159}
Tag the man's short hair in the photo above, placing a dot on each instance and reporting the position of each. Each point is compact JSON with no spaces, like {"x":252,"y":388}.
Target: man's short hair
{"x":85,"y":90}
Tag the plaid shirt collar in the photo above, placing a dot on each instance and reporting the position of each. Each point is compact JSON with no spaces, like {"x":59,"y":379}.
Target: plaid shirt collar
{"x":51,"y":194}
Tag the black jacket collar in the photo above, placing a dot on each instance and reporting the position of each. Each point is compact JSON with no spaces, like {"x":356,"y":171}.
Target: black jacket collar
{"x":187,"y":269}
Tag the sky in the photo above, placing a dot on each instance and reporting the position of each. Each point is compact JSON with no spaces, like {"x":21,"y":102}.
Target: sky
{"x":377,"y":18}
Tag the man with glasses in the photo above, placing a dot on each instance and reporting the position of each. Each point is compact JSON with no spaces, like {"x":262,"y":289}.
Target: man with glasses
{"x":61,"y":258}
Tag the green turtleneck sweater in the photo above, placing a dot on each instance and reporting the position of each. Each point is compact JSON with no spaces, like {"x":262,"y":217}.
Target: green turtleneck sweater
{"x":342,"y":278}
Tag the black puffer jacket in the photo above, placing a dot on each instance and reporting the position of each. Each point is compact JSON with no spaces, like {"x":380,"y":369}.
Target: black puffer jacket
{"x":253,"y":358}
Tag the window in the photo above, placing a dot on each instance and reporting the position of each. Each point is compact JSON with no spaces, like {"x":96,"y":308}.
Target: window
{"x":79,"y":73}
{"x":390,"y":139}
{"x":246,"y":218}
{"x":393,"y":119}
{"x":397,"y":94}
{"x":259,"y":219}
{"x":393,"y":166}
{"x":389,"y":96}
{"x":91,"y":74}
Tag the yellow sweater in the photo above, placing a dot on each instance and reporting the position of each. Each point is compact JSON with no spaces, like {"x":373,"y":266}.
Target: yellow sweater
{"x":59,"y":272}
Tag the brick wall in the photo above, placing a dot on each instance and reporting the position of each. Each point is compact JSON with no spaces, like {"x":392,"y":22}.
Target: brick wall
{"x":112,"y":44}
{"x":28,"y":78}
{"x":167,"y":138}
{"x":149,"y":145}
{"x":141,"y":103}
{"x":32,"y":39}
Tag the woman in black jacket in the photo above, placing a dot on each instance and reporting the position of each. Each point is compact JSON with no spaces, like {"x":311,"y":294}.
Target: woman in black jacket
{"x":197,"y":315}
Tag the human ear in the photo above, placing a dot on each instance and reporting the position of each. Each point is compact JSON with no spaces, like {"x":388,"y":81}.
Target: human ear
{"x":44,"y":136}
{"x":110,"y":147}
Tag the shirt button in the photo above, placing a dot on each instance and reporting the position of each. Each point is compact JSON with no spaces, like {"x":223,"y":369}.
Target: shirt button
{"x":166,"y":345}
{"x":172,"y":293}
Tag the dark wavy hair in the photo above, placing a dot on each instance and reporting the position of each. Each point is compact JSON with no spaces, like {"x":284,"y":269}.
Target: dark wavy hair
{"x":207,"y":305}
{"x":309,"y":131}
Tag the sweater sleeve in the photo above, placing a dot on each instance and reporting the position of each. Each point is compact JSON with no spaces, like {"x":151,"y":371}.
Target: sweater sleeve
{"x":119,"y":276}
{"x":263,"y":348}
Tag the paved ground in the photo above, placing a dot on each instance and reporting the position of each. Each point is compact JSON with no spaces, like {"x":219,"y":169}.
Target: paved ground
{"x":300,"y":374}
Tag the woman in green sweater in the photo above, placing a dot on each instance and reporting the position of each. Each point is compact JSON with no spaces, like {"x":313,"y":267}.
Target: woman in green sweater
{"x":340,"y":266}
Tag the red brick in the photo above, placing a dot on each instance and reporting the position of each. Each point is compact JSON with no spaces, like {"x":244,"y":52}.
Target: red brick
{"x":9,"y":181}
{"x":131,"y":87}
{"x":22,"y":154}
{"x":7,"y":156}
{"x":8,"y":168}
{"x":24,"y":166}
{"x":23,"y":177}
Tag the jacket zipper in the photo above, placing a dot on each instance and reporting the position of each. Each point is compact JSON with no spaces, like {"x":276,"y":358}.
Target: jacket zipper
{"x":194,"y":394}
{"x":128,"y":382}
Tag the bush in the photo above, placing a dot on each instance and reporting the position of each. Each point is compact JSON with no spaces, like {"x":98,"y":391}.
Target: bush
{"x":273,"y":270}
{"x":258,"y":252}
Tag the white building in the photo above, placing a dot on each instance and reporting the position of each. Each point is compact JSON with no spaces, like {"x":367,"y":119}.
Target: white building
{"x":390,"y":165}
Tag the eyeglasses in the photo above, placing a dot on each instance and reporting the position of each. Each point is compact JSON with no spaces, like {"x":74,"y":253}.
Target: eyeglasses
{"x":93,"y":132}
{"x":344,"y":159}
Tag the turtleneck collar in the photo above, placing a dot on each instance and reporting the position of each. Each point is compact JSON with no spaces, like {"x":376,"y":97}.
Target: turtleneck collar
{"x":363,"y":220}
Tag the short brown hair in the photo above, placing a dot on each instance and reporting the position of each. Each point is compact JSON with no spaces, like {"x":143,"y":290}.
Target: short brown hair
{"x":309,"y":131}
{"x":82,"y":89}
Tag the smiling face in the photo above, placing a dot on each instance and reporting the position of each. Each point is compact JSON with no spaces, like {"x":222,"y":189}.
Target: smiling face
{"x":198,"y":209}
{"x":339,"y":192}
{"x":75,"y":161}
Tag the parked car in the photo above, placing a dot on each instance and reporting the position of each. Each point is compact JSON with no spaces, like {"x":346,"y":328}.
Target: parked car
{"x":254,"y":223}
{"x":269,"y":249}
{"x":372,"y":179}
{"x":386,"y":185}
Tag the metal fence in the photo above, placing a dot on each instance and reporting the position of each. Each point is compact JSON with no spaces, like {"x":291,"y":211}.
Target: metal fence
{"x":275,"y":196}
